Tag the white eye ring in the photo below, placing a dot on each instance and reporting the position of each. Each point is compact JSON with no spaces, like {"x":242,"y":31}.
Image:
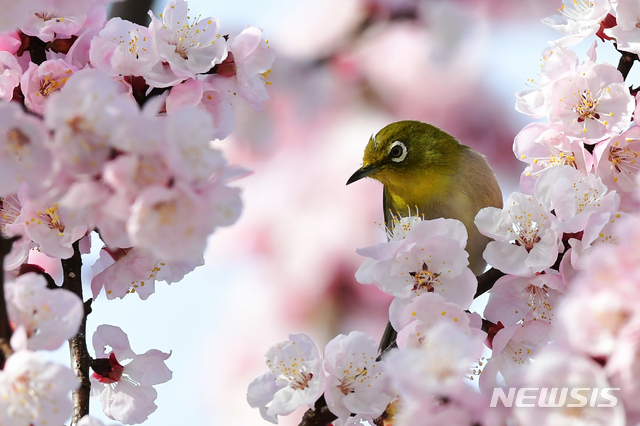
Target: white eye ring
{"x":404,"y":151}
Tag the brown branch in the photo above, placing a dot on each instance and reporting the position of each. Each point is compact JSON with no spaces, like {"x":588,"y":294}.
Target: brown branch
{"x":626,"y":62}
{"x":5,"y":327}
{"x":80,"y":359}
{"x":319,"y":415}
{"x":132,"y":10}
{"x":486,"y":281}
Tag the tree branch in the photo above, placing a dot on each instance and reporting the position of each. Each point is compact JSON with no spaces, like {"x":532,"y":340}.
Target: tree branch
{"x":80,"y":359}
{"x":319,"y":415}
{"x":132,"y":10}
{"x":486,"y":281}
{"x":5,"y":327}
{"x":626,"y":62}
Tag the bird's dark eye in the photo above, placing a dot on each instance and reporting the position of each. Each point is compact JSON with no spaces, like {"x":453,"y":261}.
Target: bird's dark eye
{"x":397,"y":152}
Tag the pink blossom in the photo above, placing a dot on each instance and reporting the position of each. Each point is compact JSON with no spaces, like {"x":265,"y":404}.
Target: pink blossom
{"x":543,"y":147}
{"x":595,"y":318}
{"x":356,"y":383}
{"x":59,"y":19}
{"x":438,"y":365}
{"x":123,"y":48}
{"x":10,"y":41}
{"x":513,"y":347}
{"x":557,"y":367}
{"x":526,"y":241}
{"x":616,"y":160}
{"x":296,"y":378}
{"x":556,"y":62}
{"x":592,"y":101}
{"x":40,"y":81}
{"x":430,"y":258}
{"x":252,"y":58}
{"x":84,"y":115}
{"x":95,"y":205}
{"x":211,"y":95}
{"x":622,"y":370}
{"x":129,"y":174}
{"x":163,"y":219}
{"x":24,"y":155}
{"x":48,"y":317}
{"x":459,"y":407}
{"x":574,"y":198}
{"x":47,"y":226}
{"x":33,"y":389}
{"x":579,"y":19}
{"x":625,"y":32}
{"x":78,"y":54}
{"x":189,"y":132}
{"x":10,"y":208}
{"x":423,"y":312}
{"x":514,"y":299}
{"x":600,"y":229}
{"x":10,"y":75}
{"x":17,"y":13}
{"x":134,"y":271}
{"x":190,"y":45}
{"x":126,"y":391}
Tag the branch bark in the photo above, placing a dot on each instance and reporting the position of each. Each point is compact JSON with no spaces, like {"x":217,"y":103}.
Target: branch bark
{"x":5,"y":327}
{"x":319,"y":415}
{"x":486,"y":281}
{"x":132,"y":10}
{"x":626,"y":62}
{"x":80,"y":359}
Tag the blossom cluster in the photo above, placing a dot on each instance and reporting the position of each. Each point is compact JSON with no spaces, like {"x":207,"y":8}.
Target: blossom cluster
{"x":566,"y":248}
{"x":109,"y":126}
{"x":349,"y":376}
{"x":425,"y":266}
{"x":87,"y":143}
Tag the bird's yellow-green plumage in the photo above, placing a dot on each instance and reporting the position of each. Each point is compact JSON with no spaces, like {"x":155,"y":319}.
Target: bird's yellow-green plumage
{"x":424,"y":168}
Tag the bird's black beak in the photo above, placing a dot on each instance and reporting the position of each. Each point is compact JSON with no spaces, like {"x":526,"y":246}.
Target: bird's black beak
{"x":363,"y":172}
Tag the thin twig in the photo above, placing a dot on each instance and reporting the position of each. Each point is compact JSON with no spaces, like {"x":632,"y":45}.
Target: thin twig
{"x":80,"y":359}
{"x":5,"y":327}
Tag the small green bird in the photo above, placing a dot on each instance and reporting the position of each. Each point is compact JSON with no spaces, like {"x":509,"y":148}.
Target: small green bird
{"x":426,"y":170}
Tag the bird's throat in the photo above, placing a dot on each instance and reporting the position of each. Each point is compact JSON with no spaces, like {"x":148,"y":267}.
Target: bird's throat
{"x":416,"y":193}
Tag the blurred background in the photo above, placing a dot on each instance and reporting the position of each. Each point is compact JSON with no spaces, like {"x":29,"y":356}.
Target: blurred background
{"x":343,"y":70}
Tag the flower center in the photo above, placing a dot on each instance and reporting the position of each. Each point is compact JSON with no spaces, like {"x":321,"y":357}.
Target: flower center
{"x":47,"y":16}
{"x":187,"y":37}
{"x":167,"y":212}
{"x":9,"y":211}
{"x":135,"y":44}
{"x":586,"y":106}
{"x":579,"y":7}
{"x":50,"y":85}
{"x":18,"y":142}
{"x":538,"y":302}
{"x":107,"y":370}
{"x":623,"y":160}
{"x":50,"y":218}
{"x":348,"y":382}
{"x":424,"y":279}
{"x":526,"y":236}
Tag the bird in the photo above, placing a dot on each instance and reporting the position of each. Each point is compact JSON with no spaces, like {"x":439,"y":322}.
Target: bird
{"x":427,"y":172}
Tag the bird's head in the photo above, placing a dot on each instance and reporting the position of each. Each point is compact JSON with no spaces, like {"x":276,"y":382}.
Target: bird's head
{"x":409,"y":151}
